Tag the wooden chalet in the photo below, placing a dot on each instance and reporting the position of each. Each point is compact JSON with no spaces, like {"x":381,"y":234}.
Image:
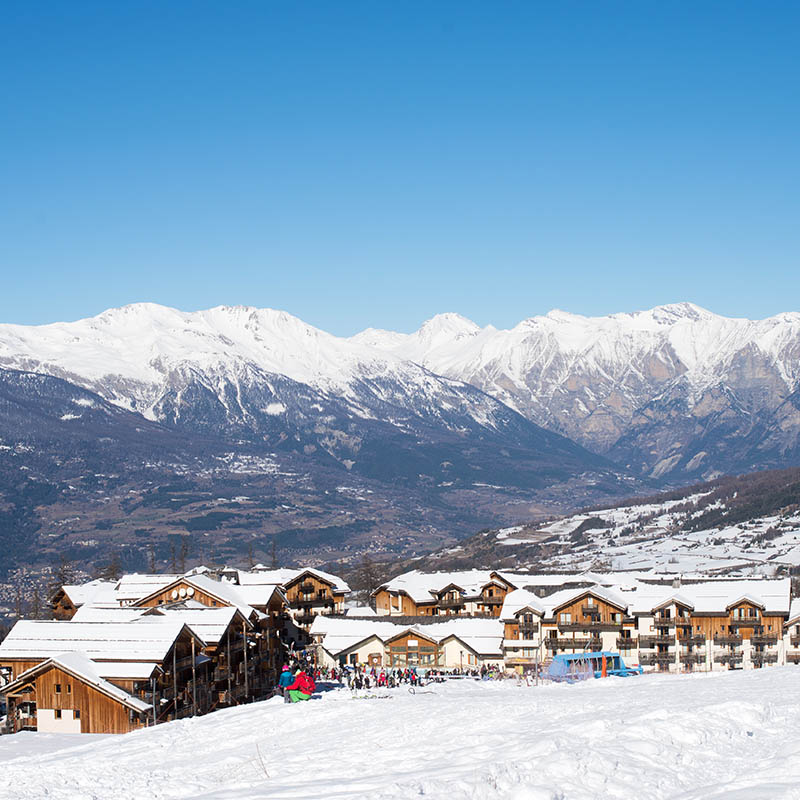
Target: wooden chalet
{"x":67,"y":694}
{"x":66,"y":600}
{"x":311,"y":592}
{"x":257,"y":646}
{"x":156,"y":661}
{"x":468,"y":593}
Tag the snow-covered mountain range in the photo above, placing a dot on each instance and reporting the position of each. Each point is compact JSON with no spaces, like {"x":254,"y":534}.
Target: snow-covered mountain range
{"x":675,"y":392}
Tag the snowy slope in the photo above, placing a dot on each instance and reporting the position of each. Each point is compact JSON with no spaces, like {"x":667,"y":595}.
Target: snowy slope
{"x":654,"y":536}
{"x":694,"y":737}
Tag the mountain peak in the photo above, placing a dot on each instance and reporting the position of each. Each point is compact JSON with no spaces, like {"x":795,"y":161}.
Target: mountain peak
{"x":448,"y":323}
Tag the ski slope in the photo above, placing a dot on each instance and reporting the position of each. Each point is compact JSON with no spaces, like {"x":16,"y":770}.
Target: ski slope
{"x":695,"y":737}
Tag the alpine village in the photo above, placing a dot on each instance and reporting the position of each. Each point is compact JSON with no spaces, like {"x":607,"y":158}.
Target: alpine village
{"x":123,"y":654}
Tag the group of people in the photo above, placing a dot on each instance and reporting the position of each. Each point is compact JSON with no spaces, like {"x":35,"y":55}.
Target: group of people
{"x":298,"y":682}
{"x":295,"y":685}
{"x":360,"y":677}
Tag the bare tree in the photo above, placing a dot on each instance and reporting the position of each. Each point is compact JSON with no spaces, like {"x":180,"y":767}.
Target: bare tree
{"x":184,"y":551}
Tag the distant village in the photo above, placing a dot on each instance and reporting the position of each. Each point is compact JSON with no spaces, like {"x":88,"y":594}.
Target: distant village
{"x":123,"y":654}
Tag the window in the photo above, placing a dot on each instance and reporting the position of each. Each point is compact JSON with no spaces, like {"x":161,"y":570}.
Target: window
{"x":590,"y":601}
{"x":565,"y":618}
{"x":58,"y":713}
{"x":58,"y":688}
{"x":69,"y":688}
{"x":76,"y":714}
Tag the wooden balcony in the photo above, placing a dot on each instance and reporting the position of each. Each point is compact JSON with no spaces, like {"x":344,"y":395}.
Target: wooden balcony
{"x":794,"y":641}
{"x":300,"y":602}
{"x":695,"y":639}
{"x":746,"y":622}
{"x":656,"y":659}
{"x":692,"y":658}
{"x":590,"y":625}
{"x":450,"y":602}
{"x":590,"y":611}
{"x":572,"y":644}
{"x":764,"y":658}
{"x":654,"y":641}
{"x":494,"y":600}
{"x":663,"y":622}
{"x":627,"y":643}
{"x":768,"y":640}
{"x":723,"y":639}
{"x":728,"y":658}
{"x":793,"y":658}
{"x":528,"y":631}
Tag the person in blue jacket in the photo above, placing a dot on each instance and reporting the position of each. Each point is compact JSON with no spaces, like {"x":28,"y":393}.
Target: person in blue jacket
{"x":285,"y":679}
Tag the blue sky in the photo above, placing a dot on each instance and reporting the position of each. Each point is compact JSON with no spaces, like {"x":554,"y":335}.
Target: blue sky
{"x":375,"y":163}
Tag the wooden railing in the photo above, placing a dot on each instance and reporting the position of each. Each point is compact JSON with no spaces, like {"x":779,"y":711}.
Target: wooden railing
{"x":451,"y":602}
{"x":572,"y":644}
{"x":723,"y":639}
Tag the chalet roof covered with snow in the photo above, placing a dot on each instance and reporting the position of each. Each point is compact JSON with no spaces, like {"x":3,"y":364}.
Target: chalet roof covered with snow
{"x":82,"y":593}
{"x":518,"y":600}
{"x":484,"y":636}
{"x":223,"y":590}
{"x":133,"y":587}
{"x":259,"y":594}
{"x":422,"y":587}
{"x":209,"y":624}
{"x":103,"y":641}
{"x":91,"y":613}
{"x":284,"y":576}
{"x":709,"y":596}
{"x":81,"y":666}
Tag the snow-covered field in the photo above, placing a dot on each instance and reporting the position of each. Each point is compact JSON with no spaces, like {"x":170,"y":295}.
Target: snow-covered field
{"x":727,"y":735}
{"x":644,"y":537}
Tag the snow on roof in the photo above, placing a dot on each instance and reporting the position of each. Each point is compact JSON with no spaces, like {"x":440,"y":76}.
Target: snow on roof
{"x":225,"y":591}
{"x":79,"y":664}
{"x":517,"y":600}
{"x":92,"y":613}
{"x":794,"y":610}
{"x":284,"y":575}
{"x":126,"y":670}
{"x":103,"y":641}
{"x":209,"y":624}
{"x":422,"y":587}
{"x":484,"y":636}
{"x":258,"y":594}
{"x":83,"y":593}
{"x":710,"y":596}
{"x":642,"y":593}
{"x":360,"y":611}
{"x":137,"y":585}
{"x":276,"y":577}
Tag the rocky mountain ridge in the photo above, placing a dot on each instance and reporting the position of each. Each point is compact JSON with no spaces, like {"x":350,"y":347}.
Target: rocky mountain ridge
{"x":675,"y":393}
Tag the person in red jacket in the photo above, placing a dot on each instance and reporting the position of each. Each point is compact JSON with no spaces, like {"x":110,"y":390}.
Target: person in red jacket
{"x":301,"y":689}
